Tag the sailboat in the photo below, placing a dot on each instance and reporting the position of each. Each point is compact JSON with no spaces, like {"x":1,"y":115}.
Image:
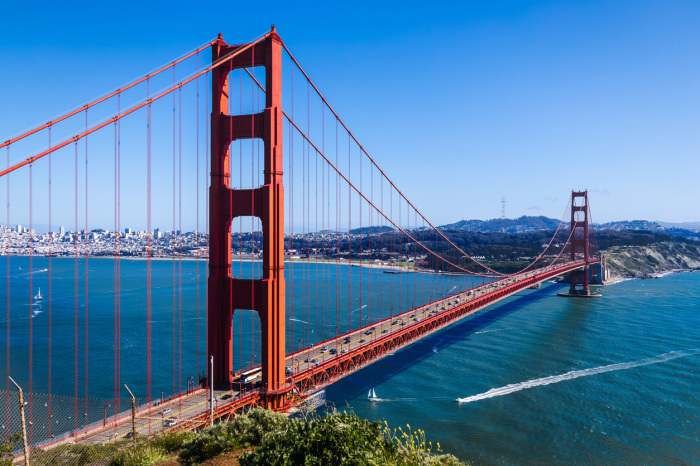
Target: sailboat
{"x":371,"y":396}
{"x":38,"y":296}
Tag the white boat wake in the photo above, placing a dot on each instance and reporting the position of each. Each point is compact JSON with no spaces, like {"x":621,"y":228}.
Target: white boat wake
{"x":489,"y":331}
{"x":516,"y":387}
{"x":302,"y":321}
{"x":363,"y":306}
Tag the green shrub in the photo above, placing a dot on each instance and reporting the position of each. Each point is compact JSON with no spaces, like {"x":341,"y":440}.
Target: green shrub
{"x":72,"y":454}
{"x":141,"y":455}
{"x":337,"y":438}
{"x":172,"y":441}
{"x":6,"y":448}
{"x":244,"y":431}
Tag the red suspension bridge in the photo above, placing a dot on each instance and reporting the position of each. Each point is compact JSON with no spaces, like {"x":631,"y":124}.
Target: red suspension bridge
{"x":330,"y":269}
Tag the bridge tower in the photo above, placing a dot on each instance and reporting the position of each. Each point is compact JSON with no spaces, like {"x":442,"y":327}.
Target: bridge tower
{"x":225,"y":294}
{"x":580,"y":246}
{"x":579,"y":241}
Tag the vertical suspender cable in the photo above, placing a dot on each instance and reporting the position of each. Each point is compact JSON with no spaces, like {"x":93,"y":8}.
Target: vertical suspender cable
{"x":349,"y":242}
{"x":337,"y":231}
{"x":372,"y":309}
{"x":206,"y":207}
{"x":359,"y":215}
{"x":7,"y":297}
{"x":149,"y":232}
{"x":179,"y":241}
{"x":172,"y":246}
{"x":116,"y":278}
{"x":87,"y":252}
{"x":252,"y":220}
{"x":75,"y":293}
{"x":240,"y":219}
{"x":304,"y":326}
{"x":119,"y":263}
{"x":50,"y":290}
{"x":316,"y":284}
{"x":31,"y":314}
{"x":196,"y":230}
{"x":291,"y":211}
{"x":323,"y":223}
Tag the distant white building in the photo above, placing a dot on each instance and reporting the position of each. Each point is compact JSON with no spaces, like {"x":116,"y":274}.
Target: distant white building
{"x":62,"y":231}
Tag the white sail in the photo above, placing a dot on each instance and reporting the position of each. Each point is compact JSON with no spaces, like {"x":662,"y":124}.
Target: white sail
{"x":38,"y":295}
{"x":374,"y":395}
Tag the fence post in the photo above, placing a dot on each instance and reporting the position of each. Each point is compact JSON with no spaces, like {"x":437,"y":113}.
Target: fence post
{"x":24,"y":423}
{"x":133,"y":414}
{"x":211,"y":391}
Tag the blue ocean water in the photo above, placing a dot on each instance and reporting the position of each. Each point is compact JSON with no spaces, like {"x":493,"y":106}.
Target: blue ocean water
{"x":541,"y":379}
{"x":544,"y":379}
{"x":322,"y":299}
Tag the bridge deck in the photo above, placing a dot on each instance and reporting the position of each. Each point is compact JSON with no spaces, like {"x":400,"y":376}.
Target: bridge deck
{"x":313,"y":368}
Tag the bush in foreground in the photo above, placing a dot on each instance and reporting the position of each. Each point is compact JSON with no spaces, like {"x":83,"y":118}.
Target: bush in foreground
{"x":246,"y":430}
{"x":336,"y":438}
{"x":276,"y":440}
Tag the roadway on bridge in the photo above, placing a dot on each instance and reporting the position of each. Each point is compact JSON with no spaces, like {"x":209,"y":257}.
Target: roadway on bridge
{"x":173,"y":413}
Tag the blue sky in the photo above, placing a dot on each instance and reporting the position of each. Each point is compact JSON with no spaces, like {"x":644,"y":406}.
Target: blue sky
{"x":461,"y":103}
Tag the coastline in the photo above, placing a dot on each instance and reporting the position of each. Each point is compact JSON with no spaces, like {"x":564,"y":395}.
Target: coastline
{"x":364,"y":264}
{"x":661,"y":274}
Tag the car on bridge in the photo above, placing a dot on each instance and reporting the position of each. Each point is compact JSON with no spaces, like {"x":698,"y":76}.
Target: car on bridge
{"x":324,"y":350}
{"x":170,"y":422}
{"x":166,"y":411}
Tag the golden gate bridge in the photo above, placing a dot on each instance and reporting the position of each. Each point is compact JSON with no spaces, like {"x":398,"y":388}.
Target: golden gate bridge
{"x":305,"y":194}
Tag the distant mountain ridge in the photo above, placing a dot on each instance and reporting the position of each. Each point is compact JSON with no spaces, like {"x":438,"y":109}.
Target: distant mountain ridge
{"x":523,"y":224}
{"x":526,"y":224}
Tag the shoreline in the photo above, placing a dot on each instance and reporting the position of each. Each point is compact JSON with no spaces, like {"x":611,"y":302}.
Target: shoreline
{"x":364,"y":264}
{"x":370,"y":265}
{"x":664,"y":273}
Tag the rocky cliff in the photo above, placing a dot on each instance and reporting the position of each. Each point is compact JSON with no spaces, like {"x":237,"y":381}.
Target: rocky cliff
{"x":647,"y":261}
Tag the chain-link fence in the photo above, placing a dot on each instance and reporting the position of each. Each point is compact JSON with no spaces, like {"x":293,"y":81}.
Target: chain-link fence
{"x":53,"y":421}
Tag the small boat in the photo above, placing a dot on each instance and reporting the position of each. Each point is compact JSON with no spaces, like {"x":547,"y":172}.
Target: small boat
{"x":391,"y":271}
{"x":371,"y":396}
{"x":38,"y":296}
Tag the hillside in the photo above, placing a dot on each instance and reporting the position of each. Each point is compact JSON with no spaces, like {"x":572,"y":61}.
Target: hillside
{"x":505,"y":225}
{"x":525,"y":224}
{"x":652,"y":259}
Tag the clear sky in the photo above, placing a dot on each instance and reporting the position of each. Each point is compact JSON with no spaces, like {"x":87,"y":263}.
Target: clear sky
{"x":461,"y":103}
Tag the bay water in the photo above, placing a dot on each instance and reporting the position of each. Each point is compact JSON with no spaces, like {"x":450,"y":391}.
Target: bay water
{"x":535,"y":378}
